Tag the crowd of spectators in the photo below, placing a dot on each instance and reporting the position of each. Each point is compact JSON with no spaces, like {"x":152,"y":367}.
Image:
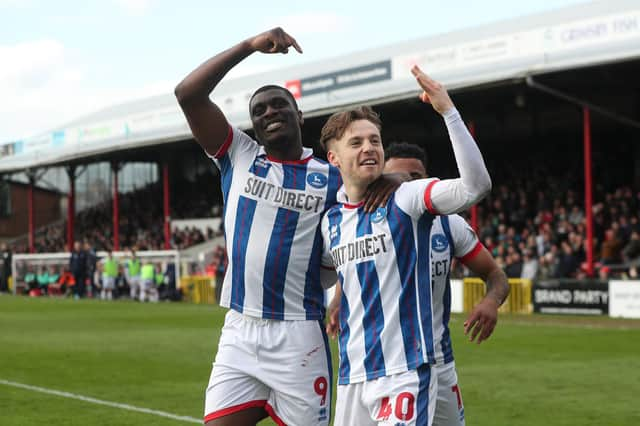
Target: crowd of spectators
{"x":141,"y":223}
{"x":541,"y":233}
{"x":534,"y":227}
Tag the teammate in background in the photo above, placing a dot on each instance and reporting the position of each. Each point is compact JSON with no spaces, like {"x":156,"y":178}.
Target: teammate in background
{"x":132,"y":273}
{"x":147,"y":281}
{"x":109,"y":276}
{"x":159,"y":281}
{"x":464,"y":245}
{"x":386,"y":338}
{"x":78,"y":267}
{"x":92,"y":260}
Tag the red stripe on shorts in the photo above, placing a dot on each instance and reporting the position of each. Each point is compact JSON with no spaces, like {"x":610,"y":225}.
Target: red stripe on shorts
{"x":234,"y":409}
{"x":273,"y":415}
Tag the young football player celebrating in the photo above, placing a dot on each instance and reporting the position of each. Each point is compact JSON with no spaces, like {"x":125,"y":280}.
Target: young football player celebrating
{"x":386,"y":330}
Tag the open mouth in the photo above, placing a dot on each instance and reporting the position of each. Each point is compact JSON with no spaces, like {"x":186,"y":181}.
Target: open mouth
{"x":274,"y":126}
{"x":369,"y":162}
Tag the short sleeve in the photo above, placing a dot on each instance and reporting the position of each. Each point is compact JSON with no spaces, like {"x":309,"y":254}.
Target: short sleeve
{"x":328,"y":275}
{"x":414,"y":197}
{"x":465,"y":240}
{"x":327,"y":259}
{"x":237,"y":144}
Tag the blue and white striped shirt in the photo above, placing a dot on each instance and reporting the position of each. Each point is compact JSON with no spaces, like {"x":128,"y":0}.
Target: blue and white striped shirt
{"x":272,"y":210}
{"x":387,"y":320}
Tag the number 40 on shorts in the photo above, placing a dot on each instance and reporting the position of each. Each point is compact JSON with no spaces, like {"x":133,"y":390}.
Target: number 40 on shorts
{"x":401,"y":407}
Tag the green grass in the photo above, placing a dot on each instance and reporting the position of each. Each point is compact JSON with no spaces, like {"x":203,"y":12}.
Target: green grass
{"x":535,"y":370}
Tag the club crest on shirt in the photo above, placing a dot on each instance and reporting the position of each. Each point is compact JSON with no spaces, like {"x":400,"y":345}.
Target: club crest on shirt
{"x":439,"y":243}
{"x":333,"y":232}
{"x":317,"y":180}
{"x":260,"y":166}
{"x":378,"y":215}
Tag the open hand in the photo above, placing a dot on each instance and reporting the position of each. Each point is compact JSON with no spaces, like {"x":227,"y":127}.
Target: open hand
{"x":433,"y":92}
{"x":482,"y":320}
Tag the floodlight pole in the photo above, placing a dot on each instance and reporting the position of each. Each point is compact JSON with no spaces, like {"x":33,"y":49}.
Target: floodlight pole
{"x":31,"y":174}
{"x":588,"y":187}
{"x":166,"y":204}
{"x":115,"y":168}
{"x":71,"y":205}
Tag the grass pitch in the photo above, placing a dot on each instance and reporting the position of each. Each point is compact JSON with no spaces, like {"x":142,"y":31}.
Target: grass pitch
{"x":535,"y":370}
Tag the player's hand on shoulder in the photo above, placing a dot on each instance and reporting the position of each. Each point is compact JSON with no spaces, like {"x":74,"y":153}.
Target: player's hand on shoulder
{"x":482,"y":320}
{"x":275,"y":40}
{"x":380,"y":190}
{"x":433,"y":92}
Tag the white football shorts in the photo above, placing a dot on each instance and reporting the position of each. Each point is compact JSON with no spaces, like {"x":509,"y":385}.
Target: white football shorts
{"x":406,"y":398}
{"x":449,"y":406}
{"x":108,"y":283}
{"x":281,"y":366}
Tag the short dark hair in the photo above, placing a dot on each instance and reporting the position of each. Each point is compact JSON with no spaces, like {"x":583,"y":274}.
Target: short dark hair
{"x":406,"y":150}
{"x":275,"y":87}
{"x":337,"y":124}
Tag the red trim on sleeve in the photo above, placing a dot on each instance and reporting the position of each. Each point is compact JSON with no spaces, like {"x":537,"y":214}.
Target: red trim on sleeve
{"x":473,"y":253}
{"x":225,"y":146}
{"x":260,"y":403}
{"x":302,"y":161}
{"x":427,"y":197}
{"x":328,"y":268}
{"x":273,"y":415}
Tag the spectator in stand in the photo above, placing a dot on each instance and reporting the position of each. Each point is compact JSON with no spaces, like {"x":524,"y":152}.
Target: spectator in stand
{"x":631,"y":252}
{"x":567,"y":262}
{"x":604,"y":273}
{"x":529,"y":266}
{"x":576,"y":216}
{"x":513,"y":267}
{"x":611,"y":250}
{"x":78,"y":267}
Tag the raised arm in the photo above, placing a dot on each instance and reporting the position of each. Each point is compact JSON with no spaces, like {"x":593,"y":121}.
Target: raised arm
{"x":455,"y":195}
{"x":207,"y":122}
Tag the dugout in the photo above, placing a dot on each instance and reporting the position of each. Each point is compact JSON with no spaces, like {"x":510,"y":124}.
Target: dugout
{"x":528,"y":88}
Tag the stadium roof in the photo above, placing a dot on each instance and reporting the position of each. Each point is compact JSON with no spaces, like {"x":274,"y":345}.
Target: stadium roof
{"x":586,"y":34}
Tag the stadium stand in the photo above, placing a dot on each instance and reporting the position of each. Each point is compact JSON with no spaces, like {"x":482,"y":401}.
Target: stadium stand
{"x":140,"y":224}
{"x":533,"y":141}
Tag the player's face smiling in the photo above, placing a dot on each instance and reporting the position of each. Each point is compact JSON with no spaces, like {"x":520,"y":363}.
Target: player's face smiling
{"x":359,"y":154}
{"x":276,"y":120}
